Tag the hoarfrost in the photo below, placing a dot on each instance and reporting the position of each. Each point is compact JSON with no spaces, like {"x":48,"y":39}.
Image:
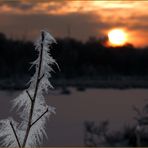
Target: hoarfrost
{"x":32,"y":102}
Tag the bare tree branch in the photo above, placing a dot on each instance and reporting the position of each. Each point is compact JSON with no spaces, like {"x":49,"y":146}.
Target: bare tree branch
{"x":41,"y":77}
{"x":15,"y":135}
{"x":29,"y":95}
{"x":40,"y":117}
{"x":35,"y":92}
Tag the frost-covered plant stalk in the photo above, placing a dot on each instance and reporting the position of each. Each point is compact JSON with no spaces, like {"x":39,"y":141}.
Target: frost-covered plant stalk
{"x":31,"y":104}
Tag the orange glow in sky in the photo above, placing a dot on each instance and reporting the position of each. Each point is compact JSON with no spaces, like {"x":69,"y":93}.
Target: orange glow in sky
{"x":83,"y":18}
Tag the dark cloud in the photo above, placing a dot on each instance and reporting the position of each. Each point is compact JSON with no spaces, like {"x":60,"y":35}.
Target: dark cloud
{"x":18,"y":5}
{"x":21,"y":5}
{"x":139,"y":22}
{"x":81,"y":25}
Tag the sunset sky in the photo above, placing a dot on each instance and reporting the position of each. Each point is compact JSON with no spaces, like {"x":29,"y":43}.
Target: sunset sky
{"x":77,"y":19}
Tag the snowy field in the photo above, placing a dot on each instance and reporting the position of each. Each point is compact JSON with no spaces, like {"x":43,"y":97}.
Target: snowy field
{"x":66,"y":127}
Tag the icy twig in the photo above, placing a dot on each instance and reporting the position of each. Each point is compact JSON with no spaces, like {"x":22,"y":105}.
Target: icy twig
{"x":15,"y":135}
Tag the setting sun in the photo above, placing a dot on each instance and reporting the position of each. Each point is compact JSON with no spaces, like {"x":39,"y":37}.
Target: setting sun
{"x":117,"y":37}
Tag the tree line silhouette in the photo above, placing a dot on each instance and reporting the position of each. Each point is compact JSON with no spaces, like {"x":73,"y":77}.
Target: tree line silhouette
{"x":90,"y":59}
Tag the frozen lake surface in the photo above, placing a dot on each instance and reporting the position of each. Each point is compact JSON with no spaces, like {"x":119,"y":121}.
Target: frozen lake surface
{"x":66,"y":127}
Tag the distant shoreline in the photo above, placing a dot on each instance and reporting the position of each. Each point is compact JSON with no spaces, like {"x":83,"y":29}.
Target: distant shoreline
{"x":80,"y":83}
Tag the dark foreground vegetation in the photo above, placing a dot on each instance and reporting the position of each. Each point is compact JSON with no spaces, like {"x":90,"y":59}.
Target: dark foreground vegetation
{"x":135,"y":135}
{"x":89,"y":64}
{"x":99,"y":135}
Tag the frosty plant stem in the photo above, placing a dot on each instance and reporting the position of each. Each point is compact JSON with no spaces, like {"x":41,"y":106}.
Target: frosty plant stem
{"x":35,"y":92}
{"x":31,"y":104}
{"x":15,"y":135}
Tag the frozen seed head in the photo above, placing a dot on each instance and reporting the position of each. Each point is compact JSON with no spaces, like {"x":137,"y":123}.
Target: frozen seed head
{"x":47,"y":37}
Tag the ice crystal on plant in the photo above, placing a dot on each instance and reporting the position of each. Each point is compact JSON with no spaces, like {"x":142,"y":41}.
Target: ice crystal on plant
{"x":47,"y":61}
{"x":7,"y":134}
{"x":37,"y":132}
{"x":51,"y":109}
{"x":22,"y":104}
{"x":30,"y":104}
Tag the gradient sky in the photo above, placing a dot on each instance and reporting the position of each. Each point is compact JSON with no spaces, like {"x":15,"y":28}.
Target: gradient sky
{"x":78,"y":19}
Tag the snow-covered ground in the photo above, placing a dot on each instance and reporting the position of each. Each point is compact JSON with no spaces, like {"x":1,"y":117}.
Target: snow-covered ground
{"x":66,"y":127}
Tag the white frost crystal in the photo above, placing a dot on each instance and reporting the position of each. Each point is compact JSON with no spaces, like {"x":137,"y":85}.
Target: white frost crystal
{"x":32,"y":98}
{"x":52,"y":109}
{"x":7,"y":134}
{"x":37,"y":132}
{"x":47,"y":61}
